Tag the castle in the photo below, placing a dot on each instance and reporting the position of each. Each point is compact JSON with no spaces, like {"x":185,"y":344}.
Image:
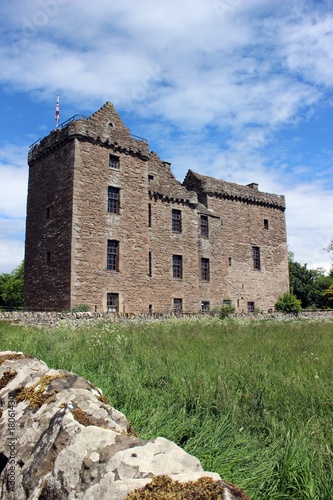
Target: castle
{"x":109,"y":226}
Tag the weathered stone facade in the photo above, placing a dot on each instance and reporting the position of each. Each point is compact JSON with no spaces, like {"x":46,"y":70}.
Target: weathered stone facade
{"x":150,"y":244}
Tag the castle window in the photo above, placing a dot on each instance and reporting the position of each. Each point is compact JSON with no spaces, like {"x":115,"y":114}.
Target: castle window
{"x":177,"y":266}
{"x":205,"y":306}
{"x":112,"y":302}
{"x":112,"y":260}
{"x":149,"y":214}
{"x":176,"y":221}
{"x":48,"y":212}
{"x":48,"y":258}
{"x":266,"y":225}
{"x":150,"y":177}
{"x":113,"y":200}
{"x":205,"y":271}
{"x":113,"y":161}
{"x":230,"y":262}
{"x":150,"y":264}
{"x":250,"y":307}
{"x":227,"y":302}
{"x":177,"y":306}
{"x":256,"y":258}
{"x":204,"y":226}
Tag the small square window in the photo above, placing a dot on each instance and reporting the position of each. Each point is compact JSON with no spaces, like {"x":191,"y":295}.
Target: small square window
{"x":177,"y":306}
{"x":266,"y":224}
{"x":204,"y":226}
{"x":205,"y":271}
{"x":114,"y":161}
{"x":112,"y":302}
{"x":176,"y":221}
{"x":250,"y":307}
{"x":150,"y":177}
{"x":177,"y":266}
{"x":113,"y":200}
{"x":205,"y":306}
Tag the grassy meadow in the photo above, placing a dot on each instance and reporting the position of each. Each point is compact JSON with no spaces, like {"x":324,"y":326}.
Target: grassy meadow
{"x":253,"y":400}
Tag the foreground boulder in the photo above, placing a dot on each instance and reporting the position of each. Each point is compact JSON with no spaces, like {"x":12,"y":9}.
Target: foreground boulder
{"x":60,"y":438}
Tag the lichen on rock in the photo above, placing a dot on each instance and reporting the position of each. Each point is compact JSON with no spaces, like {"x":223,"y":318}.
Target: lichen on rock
{"x":71,"y":443}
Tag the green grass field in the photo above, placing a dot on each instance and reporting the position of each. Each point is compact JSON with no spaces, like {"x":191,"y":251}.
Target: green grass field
{"x":253,"y":400}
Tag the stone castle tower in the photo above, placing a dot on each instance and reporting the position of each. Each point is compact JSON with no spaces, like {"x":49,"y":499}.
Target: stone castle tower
{"x":109,"y":226}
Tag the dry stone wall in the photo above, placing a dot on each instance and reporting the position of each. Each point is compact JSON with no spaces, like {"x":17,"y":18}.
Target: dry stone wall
{"x":90,"y":318}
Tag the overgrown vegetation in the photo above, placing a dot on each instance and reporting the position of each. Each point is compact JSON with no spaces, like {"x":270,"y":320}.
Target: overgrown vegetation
{"x":253,"y":400}
{"x":81,"y":308}
{"x":309,"y":285}
{"x":11,"y":288}
{"x":226,"y":310}
{"x":288,"y":303}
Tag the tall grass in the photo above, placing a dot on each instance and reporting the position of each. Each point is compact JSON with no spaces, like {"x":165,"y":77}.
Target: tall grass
{"x":253,"y":400}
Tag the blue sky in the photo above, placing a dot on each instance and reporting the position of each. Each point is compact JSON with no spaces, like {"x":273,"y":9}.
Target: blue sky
{"x":241,"y":91}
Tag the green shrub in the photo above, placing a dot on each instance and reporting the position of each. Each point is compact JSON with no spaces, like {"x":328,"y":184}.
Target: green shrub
{"x":81,"y":308}
{"x":288,"y":303}
{"x":226,"y":310}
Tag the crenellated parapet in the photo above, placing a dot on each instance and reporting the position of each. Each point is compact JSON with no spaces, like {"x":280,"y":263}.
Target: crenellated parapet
{"x":250,"y":194}
{"x":103,"y":128}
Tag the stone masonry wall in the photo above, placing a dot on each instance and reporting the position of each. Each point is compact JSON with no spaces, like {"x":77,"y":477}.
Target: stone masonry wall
{"x":242,"y":211}
{"x":243,"y":228}
{"x":68,"y":228}
{"x":90,"y":318}
{"x":48,"y":230}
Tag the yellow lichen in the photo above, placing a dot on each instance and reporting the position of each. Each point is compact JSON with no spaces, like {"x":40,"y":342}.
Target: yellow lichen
{"x":82,"y":417}
{"x":6,"y":378}
{"x":35,"y":393}
{"x":103,"y":399}
{"x":204,"y":488}
{"x":9,"y":357}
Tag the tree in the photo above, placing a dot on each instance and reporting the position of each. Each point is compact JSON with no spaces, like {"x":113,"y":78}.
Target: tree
{"x":3,"y":280}
{"x":308,"y":284}
{"x":11,"y":288}
{"x":328,"y":297}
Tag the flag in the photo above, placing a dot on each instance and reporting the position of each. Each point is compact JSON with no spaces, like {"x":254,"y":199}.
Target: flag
{"x":57,"y":111}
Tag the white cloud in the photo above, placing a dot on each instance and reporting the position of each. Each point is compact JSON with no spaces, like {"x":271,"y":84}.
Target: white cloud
{"x":11,"y":243}
{"x":211,"y":83}
{"x":11,"y":254}
{"x":14,"y":181}
{"x":308,"y":48}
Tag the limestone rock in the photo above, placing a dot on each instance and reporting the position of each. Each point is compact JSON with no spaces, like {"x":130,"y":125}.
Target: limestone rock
{"x":67,"y":442}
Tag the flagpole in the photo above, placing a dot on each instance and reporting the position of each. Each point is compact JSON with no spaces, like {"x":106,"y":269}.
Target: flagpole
{"x":57,"y":112}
